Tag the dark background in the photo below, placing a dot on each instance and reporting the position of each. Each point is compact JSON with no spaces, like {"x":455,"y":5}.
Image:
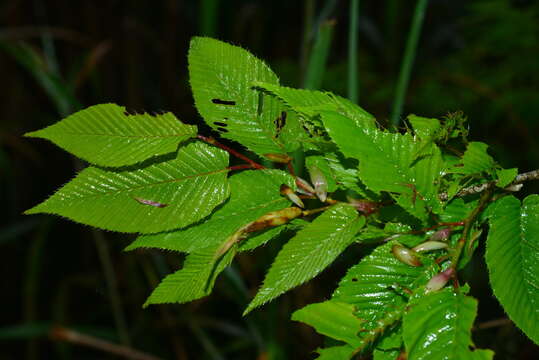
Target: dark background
{"x":481,"y":57}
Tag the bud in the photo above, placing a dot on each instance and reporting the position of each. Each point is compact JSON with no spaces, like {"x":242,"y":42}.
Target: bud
{"x":319,"y":181}
{"x":279,"y":158}
{"x":441,"y":235}
{"x":430,"y":246}
{"x":366,"y":207}
{"x":438,"y":281}
{"x":289,"y":193}
{"x":405,"y":255}
{"x":304,"y":187}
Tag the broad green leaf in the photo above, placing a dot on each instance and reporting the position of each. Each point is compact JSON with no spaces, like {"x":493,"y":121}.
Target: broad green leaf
{"x":512,"y":258}
{"x":438,"y":326}
{"x":222,"y":77}
{"x":332,"y":318}
{"x":309,"y":252}
{"x":162,"y":196}
{"x":386,"y":160}
{"x":374,"y":286}
{"x":194,"y":280}
{"x":309,"y":103}
{"x":106,"y":135}
{"x":505,"y":176}
{"x":475,"y":159}
{"x":389,"y":346}
{"x":343,"y":352}
{"x":240,"y":209}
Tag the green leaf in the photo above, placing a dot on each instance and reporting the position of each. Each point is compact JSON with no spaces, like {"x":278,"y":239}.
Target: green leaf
{"x":438,"y":326}
{"x":373,"y":286}
{"x":335,"y":353}
{"x":387,"y":160}
{"x":332,"y":318}
{"x":424,"y":128}
{"x":159,"y":197}
{"x":505,"y":176}
{"x":475,"y":159}
{"x":194,"y":280}
{"x":106,"y":135}
{"x":222,"y":77}
{"x":310,"y":103}
{"x":512,"y":258}
{"x":241,"y":208}
{"x":309,"y":252}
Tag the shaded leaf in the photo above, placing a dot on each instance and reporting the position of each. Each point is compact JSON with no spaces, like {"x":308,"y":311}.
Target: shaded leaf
{"x":332,"y":318}
{"x":512,"y":258}
{"x":190,"y":185}
{"x":335,"y":353}
{"x":309,"y":252}
{"x":106,"y":135}
{"x":505,"y":176}
{"x":475,"y":159}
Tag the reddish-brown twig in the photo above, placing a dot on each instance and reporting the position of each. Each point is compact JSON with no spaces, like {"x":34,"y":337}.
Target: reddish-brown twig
{"x":231,"y":151}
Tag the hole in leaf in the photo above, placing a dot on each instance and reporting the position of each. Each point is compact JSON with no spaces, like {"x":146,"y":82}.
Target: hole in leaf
{"x":222,"y":129}
{"x":223,"y":102}
{"x":218,"y":123}
{"x":354,"y":279}
{"x":280,"y":122}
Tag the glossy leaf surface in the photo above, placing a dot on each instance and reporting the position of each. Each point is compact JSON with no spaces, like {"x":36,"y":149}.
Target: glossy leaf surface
{"x":188,"y":187}
{"x":438,"y":326}
{"x":309,"y":252}
{"x":513,"y":260}
{"x":240,"y":209}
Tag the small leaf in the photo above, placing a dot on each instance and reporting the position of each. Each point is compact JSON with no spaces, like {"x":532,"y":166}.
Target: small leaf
{"x":438,"y":326}
{"x":332,"y":318}
{"x":505,"y":176}
{"x":475,"y":159}
{"x":241,"y":208}
{"x":191,"y":185}
{"x":335,"y":353}
{"x":194,"y":280}
{"x":309,"y":252}
{"x":512,"y":258}
{"x":106,"y":135}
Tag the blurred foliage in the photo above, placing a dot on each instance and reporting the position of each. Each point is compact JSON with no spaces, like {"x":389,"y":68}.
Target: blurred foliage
{"x":476,"y":56}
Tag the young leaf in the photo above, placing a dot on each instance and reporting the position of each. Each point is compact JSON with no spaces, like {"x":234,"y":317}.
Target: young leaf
{"x":309,"y":103}
{"x":241,"y":208}
{"x":221,"y":77}
{"x":194,"y":280}
{"x":475,"y":159}
{"x":187,"y":188}
{"x":512,"y":258}
{"x":332,"y":318}
{"x":438,"y":326}
{"x":309,"y":252}
{"x":505,"y":176}
{"x":386,"y":160}
{"x":106,"y":135}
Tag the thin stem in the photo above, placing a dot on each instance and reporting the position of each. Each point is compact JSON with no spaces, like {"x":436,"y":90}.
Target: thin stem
{"x":468,"y":222}
{"x":74,"y":337}
{"x":231,"y":151}
{"x":353,"y":93}
{"x":408,"y":60}
{"x":315,"y":211}
{"x":476,"y":189}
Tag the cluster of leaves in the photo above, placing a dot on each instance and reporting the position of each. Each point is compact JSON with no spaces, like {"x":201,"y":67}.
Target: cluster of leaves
{"x":404,"y":192}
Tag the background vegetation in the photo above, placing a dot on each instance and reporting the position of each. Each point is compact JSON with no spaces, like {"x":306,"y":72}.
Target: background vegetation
{"x":56,"y":56}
